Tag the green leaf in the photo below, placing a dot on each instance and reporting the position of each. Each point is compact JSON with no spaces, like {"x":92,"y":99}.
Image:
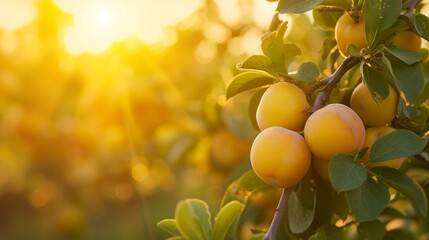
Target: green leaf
{"x":225,"y":218}
{"x":328,"y":233}
{"x":401,"y":234}
{"x":408,"y":57}
{"x":280,"y":54}
{"x":408,"y":79}
{"x":379,"y":15}
{"x":248,"y":80}
{"x":306,"y":72}
{"x":296,"y":6}
{"x":326,"y":19}
{"x":253,"y":106}
{"x":374,"y":230}
{"x":376,"y":83}
{"x":407,"y":111}
{"x":176,"y":238}
{"x":249,"y":181}
{"x":343,"y":4}
{"x":421,"y":23}
{"x":345,"y":173}
{"x":243,"y":187}
{"x":405,"y":185}
{"x":328,"y":44}
{"x":256,"y":62}
{"x":369,"y":200}
{"x":193,"y":219}
{"x":301,"y":205}
{"x":396,"y":144}
{"x":169,"y":225}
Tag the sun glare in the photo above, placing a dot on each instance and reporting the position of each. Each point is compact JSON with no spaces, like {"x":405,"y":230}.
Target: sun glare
{"x":100,"y":23}
{"x":15,"y":14}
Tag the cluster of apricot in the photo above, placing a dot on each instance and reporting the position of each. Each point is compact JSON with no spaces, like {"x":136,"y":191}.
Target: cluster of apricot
{"x":291,"y":140}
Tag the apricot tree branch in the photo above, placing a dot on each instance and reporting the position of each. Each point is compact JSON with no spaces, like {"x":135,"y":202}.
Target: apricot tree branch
{"x":331,"y":81}
{"x":411,"y":5}
{"x":280,"y":210}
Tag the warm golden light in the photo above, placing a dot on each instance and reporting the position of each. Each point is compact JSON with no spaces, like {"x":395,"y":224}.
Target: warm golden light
{"x":15,"y":14}
{"x":99,"y":24}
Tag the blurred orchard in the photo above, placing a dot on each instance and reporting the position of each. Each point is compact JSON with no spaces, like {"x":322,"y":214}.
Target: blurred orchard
{"x":112,"y":111}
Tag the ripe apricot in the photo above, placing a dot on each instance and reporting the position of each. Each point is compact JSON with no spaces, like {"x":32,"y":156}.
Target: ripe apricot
{"x":280,"y":157}
{"x":334,"y":129}
{"x":283,"y":104}
{"x":322,"y":168}
{"x":372,"y":113}
{"x":408,"y":40}
{"x":349,"y":32}
{"x":371,"y":135}
{"x":227,"y":149}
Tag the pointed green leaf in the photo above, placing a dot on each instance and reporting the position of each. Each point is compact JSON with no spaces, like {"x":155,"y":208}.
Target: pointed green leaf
{"x":306,"y":72}
{"x":374,"y":230}
{"x":376,"y":83}
{"x":421,"y":23}
{"x":408,"y":78}
{"x":296,"y":6}
{"x":253,"y":106}
{"x":405,"y":185}
{"x":408,"y":57}
{"x":225,"y":218}
{"x":280,"y":54}
{"x":193,"y":219}
{"x":396,"y":144}
{"x":169,"y":225}
{"x":256,"y":62}
{"x":301,"y":205}
{"x":369,"y":200}
{"x":249,"y":181}
{"x":248,"y":80}
{"x":379,"y":15}
{"x":326,"y":19}
{"x":345,"y":173}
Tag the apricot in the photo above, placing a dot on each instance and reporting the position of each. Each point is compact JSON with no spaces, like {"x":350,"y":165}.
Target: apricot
{"x":321,"y":166}
{"x":372,"y":134}
{"x":227,"y":150}
{"x":372,"y":113}
{"x":347,"y":31}
{"x":408,"y":40}
{"x":283,"y":104}
{"x":334,"y":129}
{"x":280,"y":157}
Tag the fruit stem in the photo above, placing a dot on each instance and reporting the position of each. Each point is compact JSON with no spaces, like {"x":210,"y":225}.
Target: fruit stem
{"x":280,"y":210}
{"x":331,"y":81}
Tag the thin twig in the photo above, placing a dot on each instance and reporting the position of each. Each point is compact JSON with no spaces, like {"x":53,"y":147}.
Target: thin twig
{"x":280,"y":210}
{"x":410,"y":6}
{"x":331,"y":81}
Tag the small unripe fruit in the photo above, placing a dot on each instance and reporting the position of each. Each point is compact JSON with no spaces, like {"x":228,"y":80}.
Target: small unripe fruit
{"x":348,"y":32}
{"x":334,"y":129}
{"x":372,"y":134}
{"x":283,"y":104}
{"x":280,"y":157}
{"x":372,"y":113}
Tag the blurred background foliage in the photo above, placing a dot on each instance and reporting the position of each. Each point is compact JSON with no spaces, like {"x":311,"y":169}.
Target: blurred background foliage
{"x":113,"y":111}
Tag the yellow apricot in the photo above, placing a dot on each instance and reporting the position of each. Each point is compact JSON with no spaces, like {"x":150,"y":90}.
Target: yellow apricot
{"x":280,"y":157}
{"x":372,"y":113}
{"x":322,"y":168}
{"x":283,"y":104}
{"x":371,"y":135}
{"x":334,"y":129}
{"x":349,"y":32}
{"x":408,"y":41}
